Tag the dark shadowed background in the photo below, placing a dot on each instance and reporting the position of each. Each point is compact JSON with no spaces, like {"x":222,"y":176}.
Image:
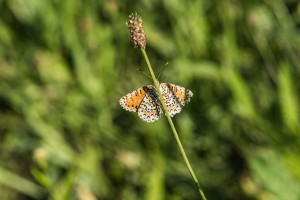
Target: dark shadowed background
{"x":64,"y":65}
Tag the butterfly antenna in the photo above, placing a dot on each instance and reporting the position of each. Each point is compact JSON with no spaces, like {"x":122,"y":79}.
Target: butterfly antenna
{"x":164,"y":78}
{"x":162,"y":70}
{"x":144,"y":73}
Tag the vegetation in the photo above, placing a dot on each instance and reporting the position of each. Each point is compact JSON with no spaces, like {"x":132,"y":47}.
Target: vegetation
{"x":64,"y":65}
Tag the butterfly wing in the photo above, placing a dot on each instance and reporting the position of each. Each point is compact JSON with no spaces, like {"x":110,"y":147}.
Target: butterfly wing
{"x":144,"y":101}
{"x":131,"y":102}
{"x":175,"y":97}
{"x":150,"y":108}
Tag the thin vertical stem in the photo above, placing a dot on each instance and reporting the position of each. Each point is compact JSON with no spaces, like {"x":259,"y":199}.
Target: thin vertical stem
{"x":156,"y":84}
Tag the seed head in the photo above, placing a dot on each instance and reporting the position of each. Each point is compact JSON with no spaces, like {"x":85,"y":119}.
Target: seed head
{"x":136,"y":31}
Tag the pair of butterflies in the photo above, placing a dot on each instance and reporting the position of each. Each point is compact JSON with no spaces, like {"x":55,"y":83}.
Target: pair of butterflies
{"x":146,"y":103}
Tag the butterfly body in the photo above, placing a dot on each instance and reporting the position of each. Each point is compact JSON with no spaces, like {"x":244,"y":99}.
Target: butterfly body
{"x":145,"y":101}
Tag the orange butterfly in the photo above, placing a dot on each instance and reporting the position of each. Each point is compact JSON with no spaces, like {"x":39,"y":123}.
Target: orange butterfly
{"x":145,"y":101}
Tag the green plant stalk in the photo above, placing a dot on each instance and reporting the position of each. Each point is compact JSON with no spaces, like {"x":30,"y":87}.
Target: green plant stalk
{"x":156,"y":84}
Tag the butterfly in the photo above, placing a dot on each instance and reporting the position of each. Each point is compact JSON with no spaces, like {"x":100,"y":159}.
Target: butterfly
{"x":146,"y":103}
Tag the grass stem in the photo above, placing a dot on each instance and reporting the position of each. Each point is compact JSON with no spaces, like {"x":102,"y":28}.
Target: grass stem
{"x":156,"y":84}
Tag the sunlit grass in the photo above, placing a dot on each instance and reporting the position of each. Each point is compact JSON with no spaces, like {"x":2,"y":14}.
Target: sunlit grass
{"x":64,"y":66}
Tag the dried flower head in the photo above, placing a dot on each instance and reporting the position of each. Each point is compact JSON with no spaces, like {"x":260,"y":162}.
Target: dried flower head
{"x":136,"y":31}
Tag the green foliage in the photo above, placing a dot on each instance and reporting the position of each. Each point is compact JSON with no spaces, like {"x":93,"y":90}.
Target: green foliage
{"x":65,"y":64}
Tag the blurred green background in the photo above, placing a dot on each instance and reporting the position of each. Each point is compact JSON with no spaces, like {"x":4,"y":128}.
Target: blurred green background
{"x":64,"y":65}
